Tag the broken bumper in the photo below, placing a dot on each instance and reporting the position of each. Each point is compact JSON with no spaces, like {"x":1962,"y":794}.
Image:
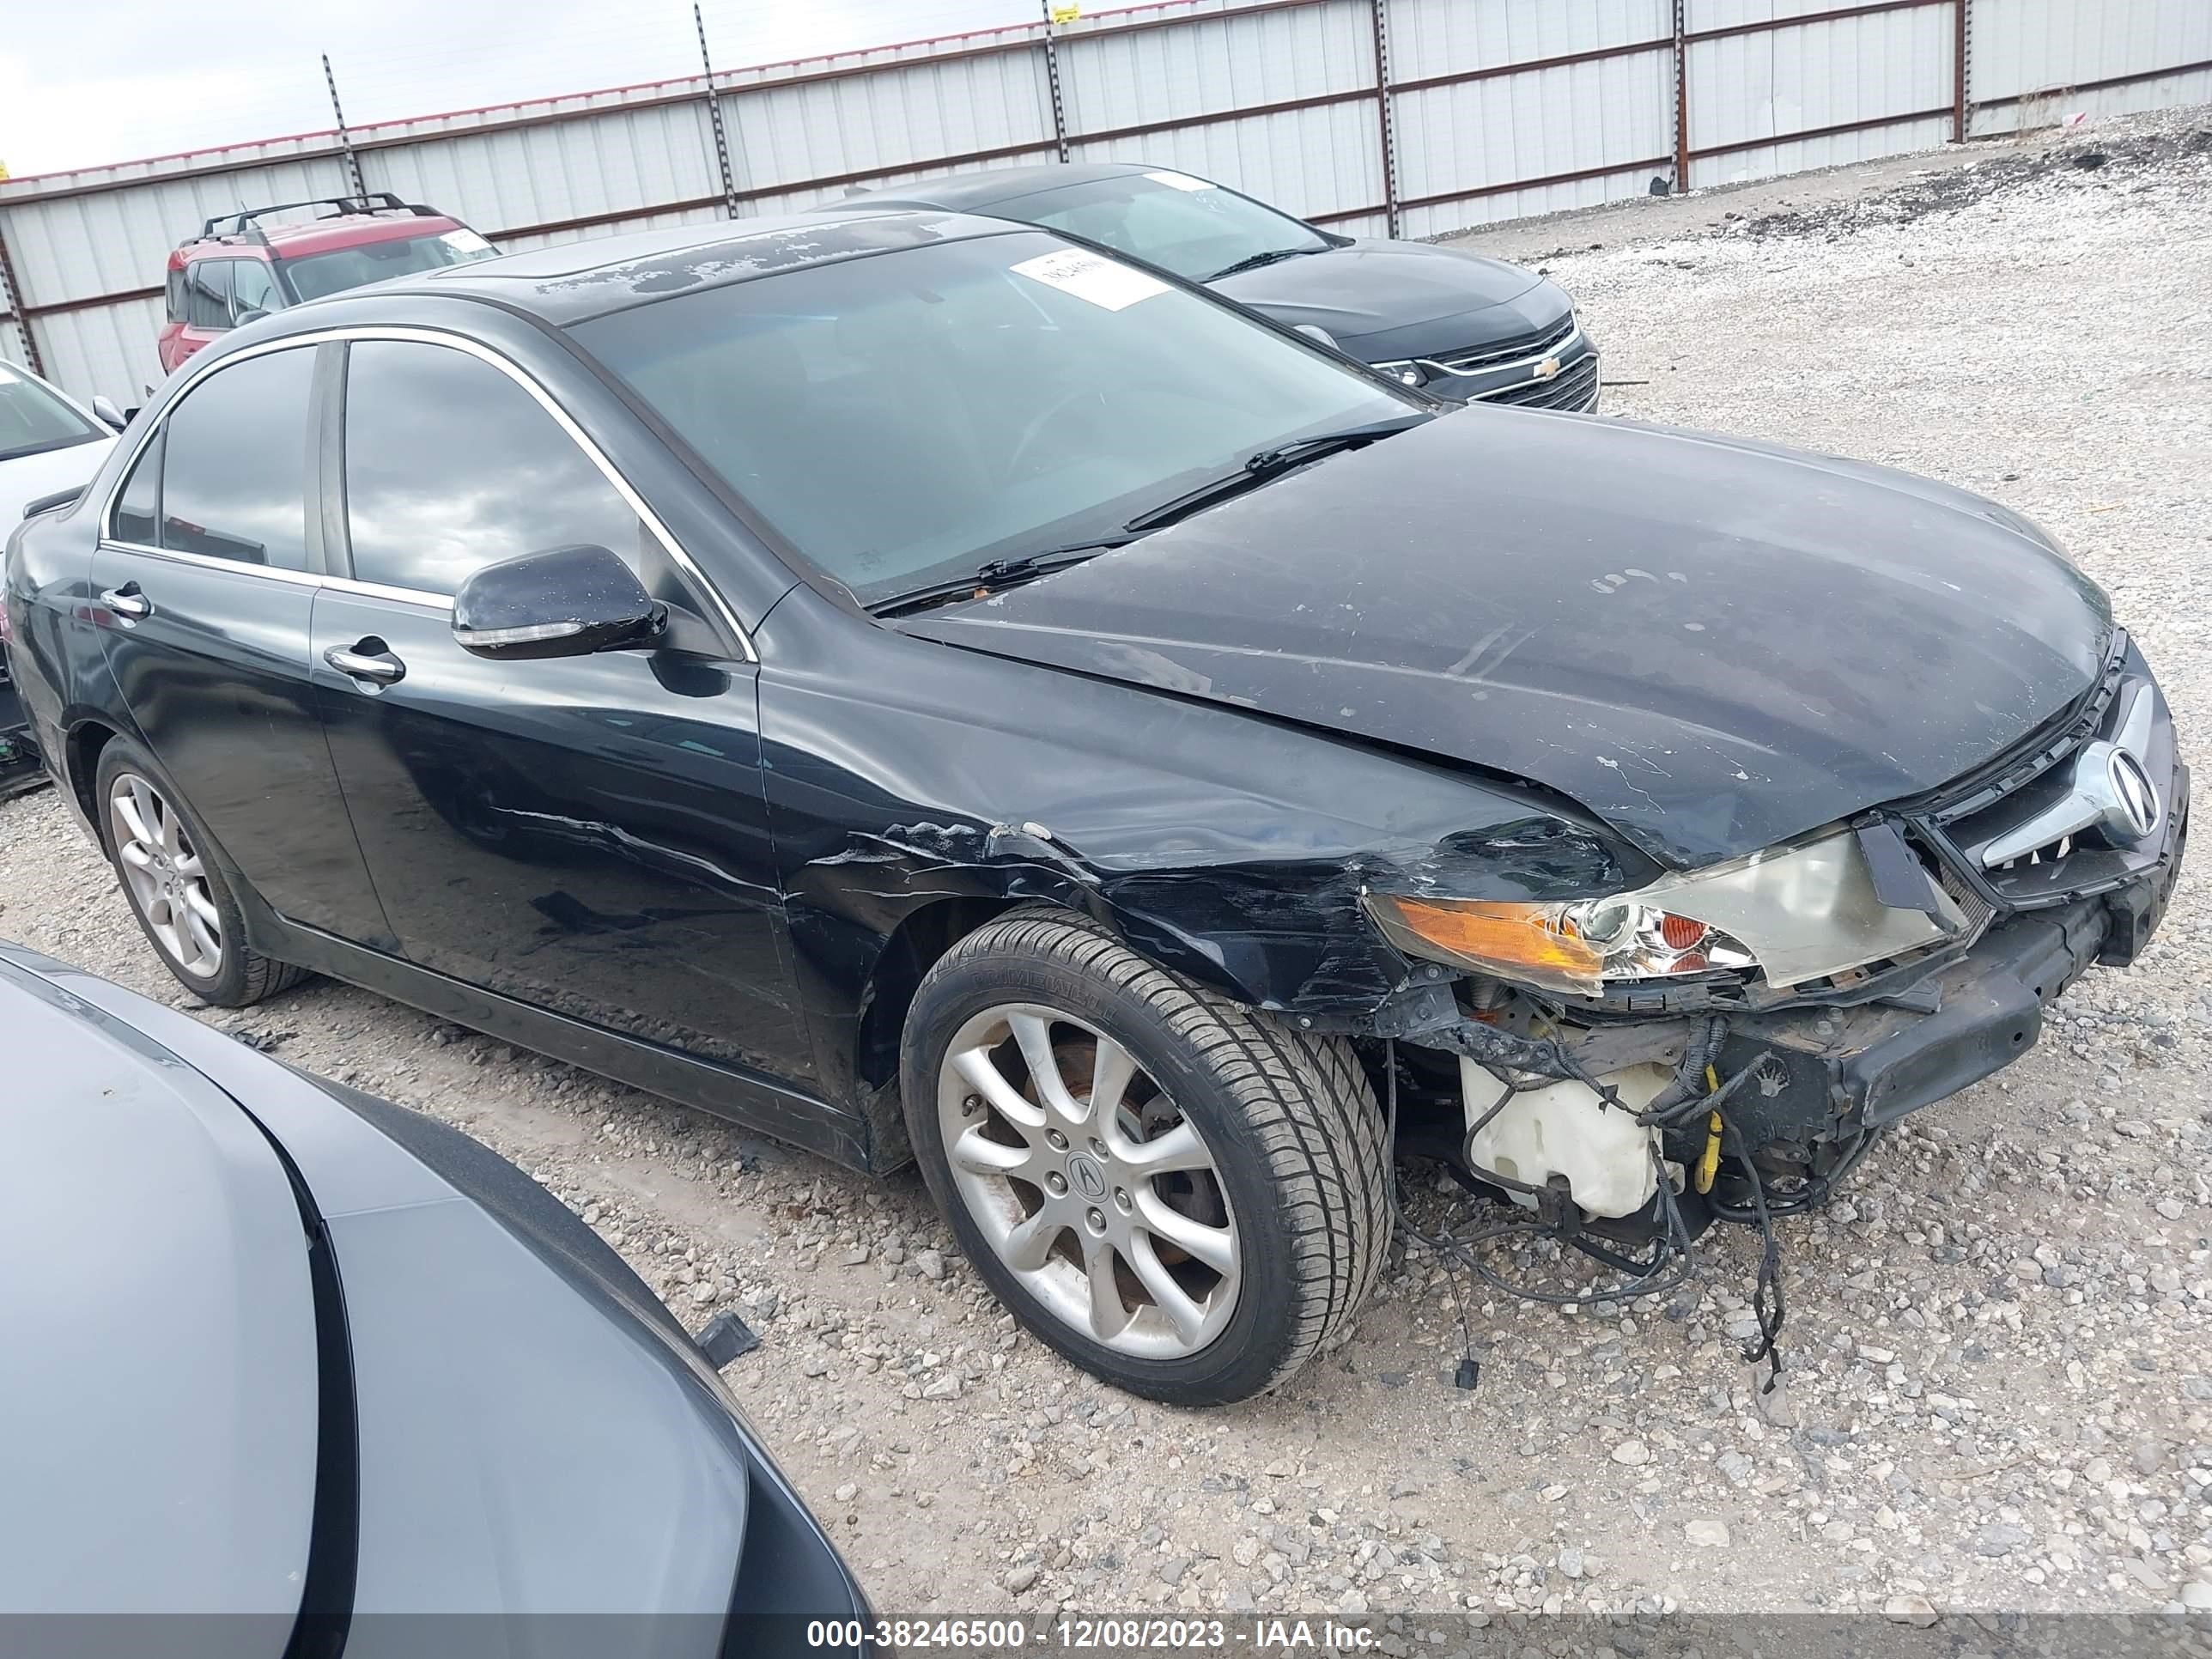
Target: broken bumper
{"x":1825,"y":1073}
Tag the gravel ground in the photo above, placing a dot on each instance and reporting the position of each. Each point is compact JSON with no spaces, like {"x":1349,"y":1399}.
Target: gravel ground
{"x":2000,"y":1392}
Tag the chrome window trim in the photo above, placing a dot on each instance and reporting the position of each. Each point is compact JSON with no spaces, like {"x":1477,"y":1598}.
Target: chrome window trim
{"x":208,"y":561}
{"x":434,"y":336}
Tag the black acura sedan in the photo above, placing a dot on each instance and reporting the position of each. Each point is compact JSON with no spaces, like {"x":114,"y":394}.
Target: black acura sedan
{"x":292,"y":1372}
{"x":1457,"y":323}
{"x":931,"y":692}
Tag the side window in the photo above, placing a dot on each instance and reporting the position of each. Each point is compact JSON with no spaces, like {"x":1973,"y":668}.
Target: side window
{"x":450,"y":465}
{"x":207,"y":294}
{"x":252,"y":288}
{"x":174,"y":294}
{"x":138,"y":509}
{"x":235,"y":470}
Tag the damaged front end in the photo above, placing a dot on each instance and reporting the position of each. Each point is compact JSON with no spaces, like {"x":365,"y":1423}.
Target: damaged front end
{"x":1727,"y":1045}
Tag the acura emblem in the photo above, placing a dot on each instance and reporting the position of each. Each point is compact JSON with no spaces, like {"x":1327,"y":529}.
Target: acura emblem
{"x":1544,"y":370}
{"x":2133,"y":806}
{"x":2111,"y":794}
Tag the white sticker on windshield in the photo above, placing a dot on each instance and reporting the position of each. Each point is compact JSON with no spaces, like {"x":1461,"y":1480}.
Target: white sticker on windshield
{"x":465,"y":242}
{"x":1087,"y":277}
{"x":1179,"y":181}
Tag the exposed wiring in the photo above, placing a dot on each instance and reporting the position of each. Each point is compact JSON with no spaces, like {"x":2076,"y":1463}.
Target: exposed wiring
{"x":1469,"y":1369}
{"x":1556,"y":1217}
{"x":1766,"y":1303}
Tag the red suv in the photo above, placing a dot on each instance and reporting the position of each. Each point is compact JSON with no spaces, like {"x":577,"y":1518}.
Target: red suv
{"x":236,"y":269}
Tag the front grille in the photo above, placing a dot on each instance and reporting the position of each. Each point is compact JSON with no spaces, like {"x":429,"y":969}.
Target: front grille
{"x":1574,"y":387}
{"x":1533,"y":344}
{"x":1982,"y":824}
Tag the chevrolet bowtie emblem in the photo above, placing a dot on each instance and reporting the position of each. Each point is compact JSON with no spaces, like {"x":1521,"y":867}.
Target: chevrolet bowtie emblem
{"x":1544,"y":370}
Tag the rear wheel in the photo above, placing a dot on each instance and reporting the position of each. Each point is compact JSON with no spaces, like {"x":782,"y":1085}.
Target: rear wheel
{"x":1183,"y":1195}
{"x":183,"y":904}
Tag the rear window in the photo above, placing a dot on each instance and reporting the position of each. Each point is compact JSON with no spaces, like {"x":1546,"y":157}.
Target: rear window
{"x":33,"y":419}
{"x":314,"y":275}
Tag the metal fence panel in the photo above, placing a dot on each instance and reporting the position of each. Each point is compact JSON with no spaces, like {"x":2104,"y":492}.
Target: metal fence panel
{"x":1115,"y":78}
{"x":881,"y":120}
{"x":1600,"y":130}
{"x":1430,"y":38}
{"x":1498,"y":108}
{"x":1878,"y":84}
{"x":585,"y":167}
{"x":2038,"y":61}
{"x":104,"y":349}
{"x":1323,"y":163}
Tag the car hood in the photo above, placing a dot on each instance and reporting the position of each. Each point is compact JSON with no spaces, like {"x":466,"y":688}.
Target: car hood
{"x":160,"y":1377}
{"x":1377,"y":288}
{"x":1712,"y":644}
{"x":27,"y":478}
{"x":535,"y":1437}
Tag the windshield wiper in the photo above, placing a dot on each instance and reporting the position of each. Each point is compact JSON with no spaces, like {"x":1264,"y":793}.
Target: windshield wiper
{"x":997,"y":574}
{"x":1267,"y":464}
{"x":1254,"y":261}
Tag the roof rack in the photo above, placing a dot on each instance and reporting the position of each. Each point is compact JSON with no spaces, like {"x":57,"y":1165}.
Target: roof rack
{"x":242,"y":223}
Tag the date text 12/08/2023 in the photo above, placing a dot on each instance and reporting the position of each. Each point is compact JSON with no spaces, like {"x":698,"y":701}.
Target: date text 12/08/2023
{"x":1098,"y":1635}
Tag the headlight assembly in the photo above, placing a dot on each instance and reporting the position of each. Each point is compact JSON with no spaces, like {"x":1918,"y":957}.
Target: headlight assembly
{"x":1406,"y":370}
{"x":1796,"y":914}
{"x":1557,"y":947}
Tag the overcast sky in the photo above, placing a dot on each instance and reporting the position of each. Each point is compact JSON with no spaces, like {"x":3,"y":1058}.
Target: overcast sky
{"x":87,"y":82}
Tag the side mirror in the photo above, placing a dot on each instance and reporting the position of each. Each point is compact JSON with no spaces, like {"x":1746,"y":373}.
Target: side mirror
{"x":251,"y":314}
{"x":563,"y":602}
{"x":1315,"y":332}
{"x":104,"y":406}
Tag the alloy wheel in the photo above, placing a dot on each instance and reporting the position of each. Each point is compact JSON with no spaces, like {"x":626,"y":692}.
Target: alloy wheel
{"x":1087,"y":1181}
{"x":164,"y":874}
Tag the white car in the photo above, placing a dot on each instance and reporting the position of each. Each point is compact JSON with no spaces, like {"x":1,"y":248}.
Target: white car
{"x":48,"y":440}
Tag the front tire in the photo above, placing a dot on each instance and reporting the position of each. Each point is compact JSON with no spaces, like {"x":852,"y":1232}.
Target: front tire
{"x":1185,"y":1196}
{"x":176,"y":891}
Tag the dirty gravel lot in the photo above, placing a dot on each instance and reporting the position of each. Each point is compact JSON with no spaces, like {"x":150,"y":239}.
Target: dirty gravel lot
{"x":2000,"y":1383}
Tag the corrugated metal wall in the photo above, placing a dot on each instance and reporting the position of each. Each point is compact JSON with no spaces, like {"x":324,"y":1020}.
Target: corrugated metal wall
{"x":1876,"y":84}
{"x":1494,"y":109}
{"x":2037,"y":61}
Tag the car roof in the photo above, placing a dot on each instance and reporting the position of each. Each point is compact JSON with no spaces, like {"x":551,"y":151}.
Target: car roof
{"x":976,"y":192}
{"x":572,"y":281}
{"x":324,"y":235}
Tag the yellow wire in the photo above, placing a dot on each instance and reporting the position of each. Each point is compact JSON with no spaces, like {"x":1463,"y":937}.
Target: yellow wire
{"x":1709,"y":1165}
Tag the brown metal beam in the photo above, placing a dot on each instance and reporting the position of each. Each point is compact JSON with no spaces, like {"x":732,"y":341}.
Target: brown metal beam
{"x":1681,"y":48}
{"x":1511,"y":184}
{"x":1384,"y":132}
{"x":1836,"y":131}
{"x":18,"y":312}
{"x":2135,"y":79}
{"x":1960,"y":9}
{"x":1494,"y":71}
{"x":1315,"y":100}
{"x":1768,"y":25}
{"x":91,"y":303}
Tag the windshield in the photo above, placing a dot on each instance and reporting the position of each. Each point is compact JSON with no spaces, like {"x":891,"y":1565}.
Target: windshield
{"x":908,"y":417}
{"x":314,"y":275}
{"x":33,"y":419}
{"x":1195,"y":229}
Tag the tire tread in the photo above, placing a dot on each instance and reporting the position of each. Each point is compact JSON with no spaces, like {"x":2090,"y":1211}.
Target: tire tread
{"x":1305,"y":1097}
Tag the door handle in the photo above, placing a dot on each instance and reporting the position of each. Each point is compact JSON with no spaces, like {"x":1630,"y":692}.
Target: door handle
{"x":382,"y":668}
{"x":127,"y":601}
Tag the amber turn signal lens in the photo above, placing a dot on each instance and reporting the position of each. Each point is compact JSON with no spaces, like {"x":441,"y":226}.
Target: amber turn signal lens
{"x":1518,"y":941}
